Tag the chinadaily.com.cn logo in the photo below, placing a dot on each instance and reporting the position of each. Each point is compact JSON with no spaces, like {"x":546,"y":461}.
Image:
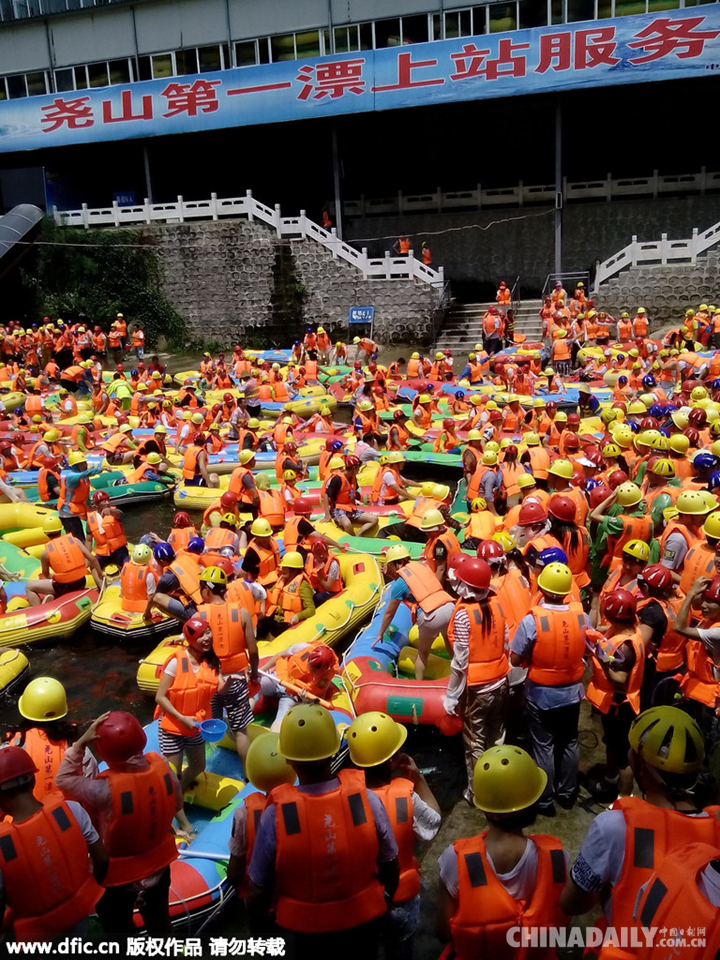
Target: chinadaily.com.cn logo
{"x":625,"y":937}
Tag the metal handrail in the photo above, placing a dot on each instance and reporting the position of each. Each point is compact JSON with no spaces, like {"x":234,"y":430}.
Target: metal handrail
{"x":515,"y":298}
{"x":573,"y":276}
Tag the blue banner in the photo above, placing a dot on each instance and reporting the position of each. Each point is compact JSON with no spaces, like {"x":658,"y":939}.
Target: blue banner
{"x":667,"y":46}
{"x":361,"y":314}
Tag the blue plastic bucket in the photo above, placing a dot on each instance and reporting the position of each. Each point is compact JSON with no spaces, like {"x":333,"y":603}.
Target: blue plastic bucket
{"x":212,"y":730}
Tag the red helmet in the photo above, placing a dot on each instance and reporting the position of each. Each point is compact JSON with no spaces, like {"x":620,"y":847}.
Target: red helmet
{"x":616,"y":478}
{"x":697,"y":417}
{"x":562,"y":508}
{"x":573,"y":418}
{"x":551,"y":406}
{"x":15,"y":762}
{"x":290,"y":446}
{"x":100,"y":496}
{"x":693,"y":436}
{"x":322,"y":658}
{"x":511,"y":452}
{"x":228,"y":398}
{"x":578,"y":478}
{"x":319,"y":548}
{"x":181,"y":519}
{"x":498,"y":368}
{"x":448,"y":424}
{"x":357,"y":365}
{"x":656,"y":575}
{"x":650,"y":423}
{"x":475,"y":573}
{"x":216,"y":408}
{"x":50,"y":462}
{"x":120,"y":368}
{"x":194,"y":628}
{"x":455,"y":560}
{"x":372,"y":367}
{"x":598,"y":494}
{"x":495,"y":415}
{"x":225,"y":564}
{"x":490,"y":551}
{"x":711,"y":592}
{"x":447,"y":352}
{"x":228,"y":499}
{"x":352,"y":461}
{"x":398,"y":414}
{"x":620,"y":605}
{"x":531,"y":512}
{"x":595,"y":458}
{"x":328,"y":444}
{"x":572,"y":441}
{"x":119,"y":737}
{"x":302,"y":506}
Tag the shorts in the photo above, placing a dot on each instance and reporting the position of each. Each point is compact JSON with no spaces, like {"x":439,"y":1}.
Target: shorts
{"x":74,"y":526}
{"x":178,"y":609}
{"x":60,"y":589}
{"x":236,"y":701}
{"x":176,"y":742}
{"x":254,"y":410}
{"x":118,"y":557}
{"x":195,"y":482}
{"x":338,"y":514}
{"x":616,"y":725}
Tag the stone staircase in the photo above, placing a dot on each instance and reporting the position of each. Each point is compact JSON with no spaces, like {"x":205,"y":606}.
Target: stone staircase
{"x":463,"y":325}
{"x":665,"y":291}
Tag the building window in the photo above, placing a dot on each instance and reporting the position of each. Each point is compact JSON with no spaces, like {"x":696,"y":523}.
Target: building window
{"x":578,"y":10}
{"x":387,"y":33}
{"x":533,"y":13}
{"x":120,"y":71}
{"x":283,"y":48}
{"x":16,"y":87}
{"x":162,"y":66}
{"x":36,"y":84}
{"x":98,"y":74}
{"x":503,"y":17}
{"x":246,"y":53}
{"x":414,"y":29}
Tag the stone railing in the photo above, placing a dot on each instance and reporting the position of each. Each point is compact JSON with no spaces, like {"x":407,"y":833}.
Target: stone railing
{"x":657,"y":252}
{"x":372,"y":268}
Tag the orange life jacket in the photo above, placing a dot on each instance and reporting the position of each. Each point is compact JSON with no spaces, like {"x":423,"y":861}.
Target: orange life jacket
{"x":600,"y":693}
{"x":180,"y":537}
{"x":43,"y":485}
{"x":650,"y":833}
{"x":190,"y":693}
{"x":424,"y":586}
{"x":481,"y":526}
{"x":225,"y":620}
{"x":46,"y":754}
{"x":390,"y":495}
{"x":66,"y":559}
{"x":486,"y":911}
{"x":699,"y":683}
{"x":557,"y":656}
{"x":539,"y":462}
{"x":672,"y":898}
{"x":691,"y":538}
{"x":238,"y":591}
{"x":295,"y":669}
{"x":218,"y":537}
{"x":45,"y":869}
{"x":396,"y":797}
{"x":108,"y":539}
{"x":188,"y":573}
{"x":190,"y":468}
{"x":140,"y":840}
{"x":77,"y":503}
{"x":420,"y":508}
{"x":346,"y":497}
{"x":272,"y":507}
{"x":473,"y":489}
{"x":236,"y":485}
{"x":670,"y":655}
{"x":578,"y":556}
{"x":336,"y":585}
{"x":487,"y":659}
{"x":448,"y":540}
{"x":510,"y":473}
{"x":269,"y":561}
{"x":287,"y":597}
{"x":634,"y":528}
{"x":337,"y":889}
{"x":133,"y":586}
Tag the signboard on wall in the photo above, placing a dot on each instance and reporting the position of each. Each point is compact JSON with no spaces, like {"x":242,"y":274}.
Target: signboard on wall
{"x":670,"y":45}
{"x":361,"y":315}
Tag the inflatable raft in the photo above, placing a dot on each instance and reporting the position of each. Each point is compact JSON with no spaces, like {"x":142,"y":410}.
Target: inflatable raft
{"x":14,"y":670}
{"x":58,"y":617}
{"x":333,"y":620}
{"x":108,"y":617}
{"x":369,"y":673}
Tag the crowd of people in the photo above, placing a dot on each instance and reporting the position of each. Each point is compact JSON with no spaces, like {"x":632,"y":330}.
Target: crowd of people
{"x":578,"y":560}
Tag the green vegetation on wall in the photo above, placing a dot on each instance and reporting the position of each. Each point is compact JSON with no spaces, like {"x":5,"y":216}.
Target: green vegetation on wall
{"x":91,"y":275}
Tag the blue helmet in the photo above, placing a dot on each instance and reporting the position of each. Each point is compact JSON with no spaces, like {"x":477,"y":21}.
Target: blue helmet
{"x":589,"y":485}
{"x":633,"y":424}
{"x":18,"y":411}
{"x":551,"y":555}
{"x":623,"y":380}
{"x":620,"y":357}
{"x":715,"y":384}
{"x":459,"y":394}
{"x":704,"y":461}
{"x":655,"y":410}
{"x":669,"y":408}
{"x":648,"y":380}
{"x":664,"y":432}
{"x":336,"y":445}
{"x":714,"y":480}
{"x":195,"y":545}
{"x":163,"y":551}
{"x":133,"y":373}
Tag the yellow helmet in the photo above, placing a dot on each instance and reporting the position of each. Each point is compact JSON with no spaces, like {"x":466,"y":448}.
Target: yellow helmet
{"x":432,"y":519}
{"x":51,"y":436}
{"x":263,"y":481}
{"x":261,"y":528}
{"x":711,"y":527}
{"x":628,"y":494}
{"x":698,"y":393}
{"x":623,"y":435}
{"x":492,"y":446}
{"x":426,"y":488}
{"x":336,"y":463}
{"x":474,"y":435}
{"x":668,"y":739}
{"x":680,"y":419}
{"x":75,"y":457}
{"x":532,"y":440}
{"x":373,"y":738}
{"x":526,"y":480}
{"x":506,"y":540}
{"x":214,"y":575}
{"x":424,"y":398}
{"x":246,"y":456}
{"x":43,"y":699}
{"x":52,"y":525}
{"x":556,"y":578}
{"x":365,"y":405}
{"x":679,"y":443}
{"x":265,"y":768}
{"x":561,"y":468}
{"x":637,"y":549}
{"x":636,"y":407}
{"x":308,"y":733}
{"x":609,"y":414}
{"x":489,"y":458}
{"x":663,"y":468}
{"x":478,"y":504}
{"x":440,"y":491}
{"x":561,"y":417}
{"x":506,"y":779}
{"x":692,"y":503}
{"x":397,"y":551}
{"x":611,"y":450}
{"x":289,"y":475}
{"x":292,"y":559}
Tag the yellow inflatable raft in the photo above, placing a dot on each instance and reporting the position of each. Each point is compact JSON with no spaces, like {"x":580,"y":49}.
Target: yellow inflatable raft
{"x":21,"y":516}
{"x":332,"y":621}
{"x":14,"y":669}
{"x":109,"y":617}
